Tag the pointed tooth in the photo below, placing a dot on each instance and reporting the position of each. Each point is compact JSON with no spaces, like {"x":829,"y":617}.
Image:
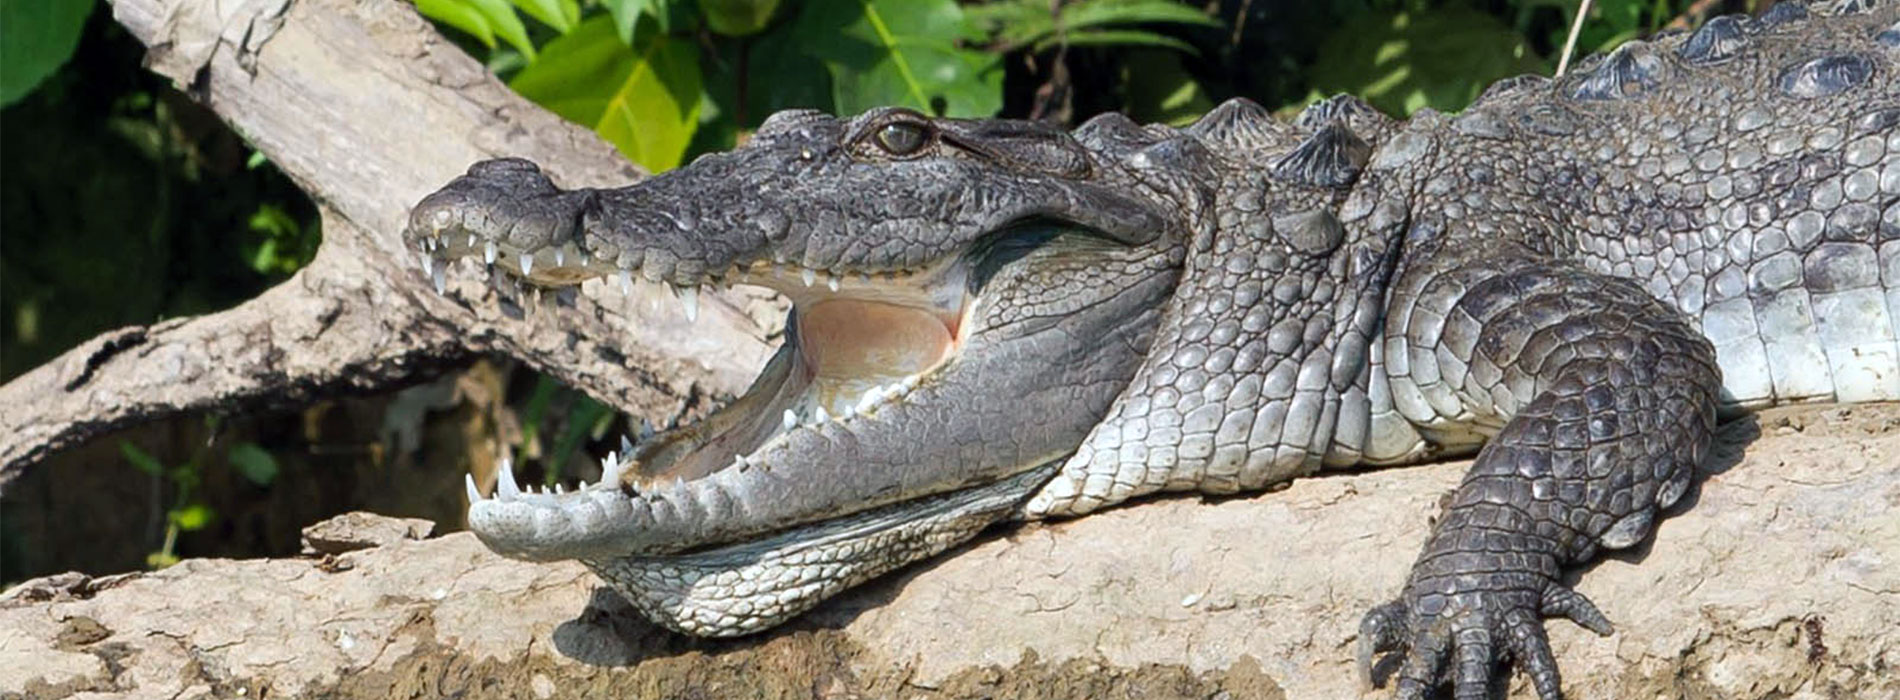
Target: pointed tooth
{"x":560,"y":256}
{"x":809,"y":275}
{"x":428,"y":263}
{"x":738,"y":462}
{"x":474,"y":494}
{"x":626,"y":282}
{"x":832,"y":282}
{"x":791,"y":419}
{"x":489,"y":252}
{"x":823,"y":415}
{"x":505,"y":487}
{"x":646,"y":429}
{"x":440,"y":276}
{"x":626,"y":445}
{"x":581,"y":487}
{"x":557,"y":489}
{"x":527,"y":264}
{"x":611,"y":469}
{"x":689,"y":299}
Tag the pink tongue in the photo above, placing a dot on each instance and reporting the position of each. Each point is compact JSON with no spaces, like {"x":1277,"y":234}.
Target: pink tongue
{"x":851,"y":340}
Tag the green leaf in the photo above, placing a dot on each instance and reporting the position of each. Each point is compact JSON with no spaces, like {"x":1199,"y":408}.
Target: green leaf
{"x":646,"y":103}
{"x":1093,"y":13}
{"x":1029,"y":23}
{"x":1402,"y":61}
{"x":192,"y":517}
{"x":779,"y":75}
{"x":559,"y":14}
{"x":483,"y":19}
{"x":1014,"y":22}
{"x":254,"y":463}
{"x":900,"y":52}
{"x":626,"y":14}
{"x":1160,"y":90}
{"x":141,"y":459}
{"x":737,"y":17}
{"x":460,"y":15}
{"x":160,"y":560}
{"x":587,"y":417}
{"x":1119,"y":37}
{"x":36,"y":38}
{"x":507,"y":25}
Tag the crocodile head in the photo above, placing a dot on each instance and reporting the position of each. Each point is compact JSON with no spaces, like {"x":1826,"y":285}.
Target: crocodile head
{"x":968,"y":299}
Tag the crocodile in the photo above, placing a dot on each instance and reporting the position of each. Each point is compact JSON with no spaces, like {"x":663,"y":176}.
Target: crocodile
{"x":1573,"y":280}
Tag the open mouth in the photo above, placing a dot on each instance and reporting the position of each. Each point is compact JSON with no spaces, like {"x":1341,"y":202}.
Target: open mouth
{"x":856,"y":344}
{"x":852,"y":344}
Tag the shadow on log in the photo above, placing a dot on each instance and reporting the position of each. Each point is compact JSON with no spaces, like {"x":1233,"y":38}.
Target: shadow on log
{"x":1780,"y":583}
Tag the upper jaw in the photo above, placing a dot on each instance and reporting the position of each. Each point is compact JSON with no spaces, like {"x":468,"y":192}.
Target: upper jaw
{"x":763,"y":209}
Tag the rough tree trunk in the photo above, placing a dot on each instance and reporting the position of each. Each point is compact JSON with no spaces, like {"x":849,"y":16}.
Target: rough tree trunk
{"x":1782,"y":581}
{"x":368,"y":109}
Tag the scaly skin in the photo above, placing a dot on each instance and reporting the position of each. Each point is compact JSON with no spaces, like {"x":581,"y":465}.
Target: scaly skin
{"x":1571,"y":278}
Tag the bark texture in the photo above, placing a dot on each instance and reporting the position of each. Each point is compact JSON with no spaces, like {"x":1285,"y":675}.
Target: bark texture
{"x":368,"y":109}
{"x":1779,"y":583}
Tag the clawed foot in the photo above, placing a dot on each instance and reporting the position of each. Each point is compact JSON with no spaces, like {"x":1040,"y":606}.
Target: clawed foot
{"x":1473,"y":629}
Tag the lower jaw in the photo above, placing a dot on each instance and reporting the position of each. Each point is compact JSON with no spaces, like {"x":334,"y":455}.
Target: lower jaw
{"x":751,"y":586}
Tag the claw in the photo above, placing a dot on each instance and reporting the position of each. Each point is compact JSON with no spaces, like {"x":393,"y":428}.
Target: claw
{"x":1379,"y":632}
{"x":1561,"y":601}
{"x":1530,"y":648}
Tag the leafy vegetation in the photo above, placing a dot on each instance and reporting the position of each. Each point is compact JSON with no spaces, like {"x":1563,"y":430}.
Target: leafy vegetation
{"x":35,"y":38}
{"x":188,"y":511}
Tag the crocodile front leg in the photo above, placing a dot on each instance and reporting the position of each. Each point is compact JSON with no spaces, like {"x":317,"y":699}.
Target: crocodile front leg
{"x":1608,"y":398}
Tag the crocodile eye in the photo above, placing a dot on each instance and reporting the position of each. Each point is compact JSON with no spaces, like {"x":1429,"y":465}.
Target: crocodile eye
{"x":901,"y":138}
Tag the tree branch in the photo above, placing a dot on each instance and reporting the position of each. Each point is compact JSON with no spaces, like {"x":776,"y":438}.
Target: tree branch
{"x":1251,"y":597}
{"x":368,"y":109}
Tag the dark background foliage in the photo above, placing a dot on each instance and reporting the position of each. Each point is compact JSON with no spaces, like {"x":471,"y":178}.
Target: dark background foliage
{"x":124,"y":202}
